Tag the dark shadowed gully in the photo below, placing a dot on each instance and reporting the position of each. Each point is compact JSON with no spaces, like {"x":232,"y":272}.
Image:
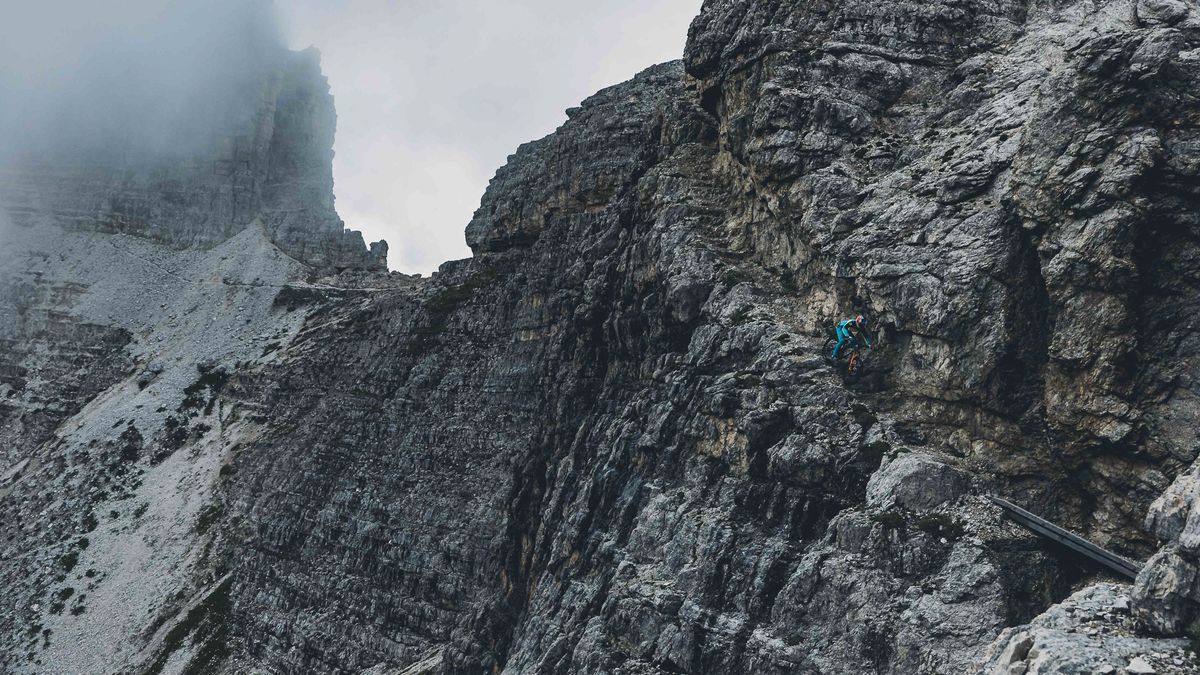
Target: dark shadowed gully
{"x":609,"y":442}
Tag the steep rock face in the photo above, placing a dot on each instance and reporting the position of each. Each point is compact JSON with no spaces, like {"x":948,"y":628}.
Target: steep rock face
{"x":609,"y":441}
{"x":689,"y":492}
{"x":1028,"y":236}
{"x":272,"y":166}
{"x":996,"y":196}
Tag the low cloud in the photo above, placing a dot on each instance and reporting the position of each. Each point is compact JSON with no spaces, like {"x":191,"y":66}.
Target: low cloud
{"x":126,"y":82}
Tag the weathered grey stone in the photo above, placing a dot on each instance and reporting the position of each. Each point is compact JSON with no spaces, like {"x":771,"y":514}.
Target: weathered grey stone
{"x":1139,"y":666}
{"x":916,"y":482}
{"x":609,"y":442}
{"x":1167,"y":12}
{"x":1080,"y":636}
{"x":1167,"y":593}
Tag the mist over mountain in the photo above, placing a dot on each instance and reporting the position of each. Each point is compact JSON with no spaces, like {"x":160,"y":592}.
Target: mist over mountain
{"x":183,"y":122}
{"x":132,"y":82}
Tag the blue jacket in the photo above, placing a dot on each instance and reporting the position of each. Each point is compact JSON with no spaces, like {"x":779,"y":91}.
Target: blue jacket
{"x":848,"y":330}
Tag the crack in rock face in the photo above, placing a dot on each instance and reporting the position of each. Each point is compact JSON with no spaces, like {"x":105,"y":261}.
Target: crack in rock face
{"x":611,"y":441}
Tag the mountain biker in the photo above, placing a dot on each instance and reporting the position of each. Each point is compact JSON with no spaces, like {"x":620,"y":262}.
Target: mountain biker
{"x":849,"y":331}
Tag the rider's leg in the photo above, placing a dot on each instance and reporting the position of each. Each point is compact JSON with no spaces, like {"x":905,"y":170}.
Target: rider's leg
{"x":838,"y":347}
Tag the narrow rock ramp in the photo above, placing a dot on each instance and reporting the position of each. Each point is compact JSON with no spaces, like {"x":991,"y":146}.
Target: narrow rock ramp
{"x":1048,"y":530}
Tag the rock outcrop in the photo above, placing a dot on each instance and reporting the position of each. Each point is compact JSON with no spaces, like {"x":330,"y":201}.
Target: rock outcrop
{"x":609,"y":441}
{"x":1090,"y":632}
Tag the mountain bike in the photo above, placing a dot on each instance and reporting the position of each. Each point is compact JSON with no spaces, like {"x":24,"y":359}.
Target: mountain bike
{"x":853,"y":355}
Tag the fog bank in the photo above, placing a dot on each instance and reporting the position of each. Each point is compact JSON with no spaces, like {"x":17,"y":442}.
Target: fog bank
{"x":128,"y":82}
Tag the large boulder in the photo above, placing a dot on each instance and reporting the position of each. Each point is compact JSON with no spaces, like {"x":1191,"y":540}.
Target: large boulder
{"x":918,"y":482}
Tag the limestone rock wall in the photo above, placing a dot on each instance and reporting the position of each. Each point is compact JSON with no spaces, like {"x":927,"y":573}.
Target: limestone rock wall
{"x":609,"y":441}
{"x":691,"y":494}
{"x":994,"y":183}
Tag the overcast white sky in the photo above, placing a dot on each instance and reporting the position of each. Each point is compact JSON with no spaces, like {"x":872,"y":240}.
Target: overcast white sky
{"x":433,"y":95}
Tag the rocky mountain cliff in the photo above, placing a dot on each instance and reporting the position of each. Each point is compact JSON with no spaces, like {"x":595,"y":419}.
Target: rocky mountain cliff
{"x":609,"y":442}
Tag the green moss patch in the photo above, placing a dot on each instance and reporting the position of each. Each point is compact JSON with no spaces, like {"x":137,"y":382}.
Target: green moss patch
{"x":203,"y":392}
{"x":892,"y":520}
{"x":940,"y":525}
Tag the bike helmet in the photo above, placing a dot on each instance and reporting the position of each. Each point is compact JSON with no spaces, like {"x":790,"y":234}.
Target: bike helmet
{"x":860,"y":321}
